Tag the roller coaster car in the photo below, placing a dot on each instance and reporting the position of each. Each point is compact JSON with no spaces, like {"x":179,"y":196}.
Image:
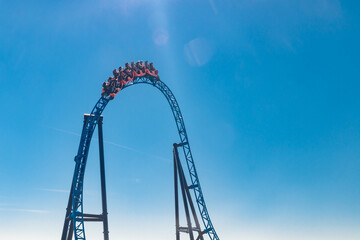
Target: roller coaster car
{"x":123,"y":76}
{"x":128,"y":76}
{"x":139,"y":73}
{"x":118,"y":84}
{"x":153,"y":73}
{"x":123,"y":82}
{"x":150,"y":70}
{"x":112,"y":95}
{"x":140,"y":69}
{"x":128,"y":79}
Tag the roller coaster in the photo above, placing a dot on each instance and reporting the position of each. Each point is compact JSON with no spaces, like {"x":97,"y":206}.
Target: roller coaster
{"x":138,"y":73}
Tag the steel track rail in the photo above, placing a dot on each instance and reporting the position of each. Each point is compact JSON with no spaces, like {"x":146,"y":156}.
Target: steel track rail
{"x":81,"y":159}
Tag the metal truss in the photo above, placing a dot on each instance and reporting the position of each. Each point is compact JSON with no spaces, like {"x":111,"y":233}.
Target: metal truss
{"x":77,"y":215}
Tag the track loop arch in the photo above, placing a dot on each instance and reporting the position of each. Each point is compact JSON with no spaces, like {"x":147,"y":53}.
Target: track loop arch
{"x":83,"y":150}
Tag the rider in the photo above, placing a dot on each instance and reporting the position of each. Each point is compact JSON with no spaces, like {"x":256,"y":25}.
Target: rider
{"x":154,"y":72}
{"x":151,"y":67}
{"x":133,"y":67}
{"x":138,"y":67}
{"x":128,"y":73}
{"x":112,"y":84}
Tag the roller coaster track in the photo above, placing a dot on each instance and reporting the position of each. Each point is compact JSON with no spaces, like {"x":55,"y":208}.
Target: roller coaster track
{"x":77,"y":215}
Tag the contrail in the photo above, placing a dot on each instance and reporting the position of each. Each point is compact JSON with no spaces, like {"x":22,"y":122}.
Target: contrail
{"x":63,"y":131}
{"x":111,"y":143}
{"x":53,"y":190}
{"x":89,"y":192}
{"x":24,"y":210}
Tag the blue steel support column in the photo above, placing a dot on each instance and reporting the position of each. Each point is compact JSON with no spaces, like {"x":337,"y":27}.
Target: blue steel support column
{"x":66,"y":231}
{"x":103,"y":183}
{"x":176,"y":191}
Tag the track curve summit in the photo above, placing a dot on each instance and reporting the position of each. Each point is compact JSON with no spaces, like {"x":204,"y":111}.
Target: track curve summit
{"x":82,"y":154}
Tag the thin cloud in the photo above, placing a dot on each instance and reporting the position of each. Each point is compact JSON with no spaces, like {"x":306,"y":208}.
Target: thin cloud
{"x":24,"y":210}
{"x":78,"y":135}
{"x":88,"y":192}
{"x":121,"y":146}
{"x":53,"y":190}
{"x":64,"y":131}
{"x":137,"y":151}
{"x":111,"y":143}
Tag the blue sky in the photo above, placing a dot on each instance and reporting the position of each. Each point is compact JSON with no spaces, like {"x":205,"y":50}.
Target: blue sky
{"x":269,"y":91}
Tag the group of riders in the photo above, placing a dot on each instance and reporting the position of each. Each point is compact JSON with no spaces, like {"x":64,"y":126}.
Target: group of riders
{"x":123,"y":76}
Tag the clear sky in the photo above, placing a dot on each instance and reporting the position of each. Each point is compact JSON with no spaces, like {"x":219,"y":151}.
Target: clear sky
{"x":269,"y":91}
